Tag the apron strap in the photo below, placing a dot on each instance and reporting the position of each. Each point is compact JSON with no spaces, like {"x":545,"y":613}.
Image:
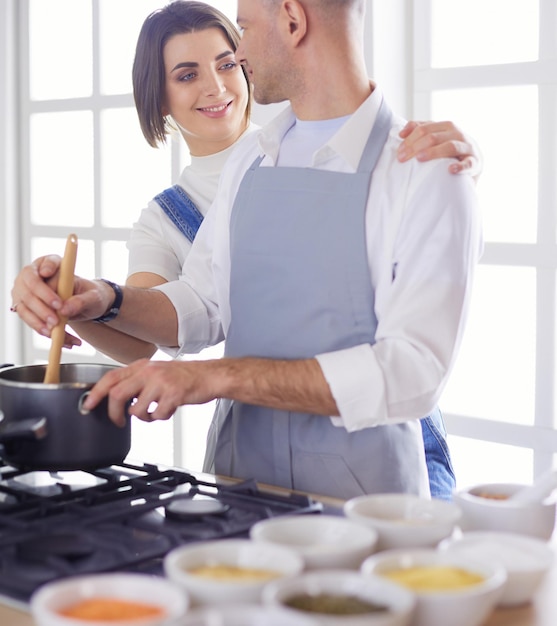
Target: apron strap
{"x":180,"y":208}
{"x":378,"y":137}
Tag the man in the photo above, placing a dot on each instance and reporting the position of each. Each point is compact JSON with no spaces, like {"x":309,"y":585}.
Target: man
{"x":342,"y":295}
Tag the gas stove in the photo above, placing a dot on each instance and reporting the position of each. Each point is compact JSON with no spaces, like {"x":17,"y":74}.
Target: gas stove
{"x":120,"y":518}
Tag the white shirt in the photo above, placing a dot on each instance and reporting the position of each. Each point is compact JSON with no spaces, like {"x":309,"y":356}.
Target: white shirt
{"x":421,"y":221}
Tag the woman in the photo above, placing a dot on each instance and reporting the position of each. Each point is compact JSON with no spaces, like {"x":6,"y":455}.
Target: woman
{"x":185,"y":77}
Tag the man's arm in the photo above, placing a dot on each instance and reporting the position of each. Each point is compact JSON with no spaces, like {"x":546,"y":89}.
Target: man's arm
{"x":296,"y":385}
{"x":113,"y":343}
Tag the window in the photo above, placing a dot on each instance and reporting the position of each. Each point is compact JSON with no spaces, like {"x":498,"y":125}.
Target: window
{"x":497,"y":78}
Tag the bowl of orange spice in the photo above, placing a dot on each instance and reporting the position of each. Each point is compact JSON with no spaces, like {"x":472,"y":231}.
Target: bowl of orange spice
{"x":109,"y":599}
{"x":490,"y":506}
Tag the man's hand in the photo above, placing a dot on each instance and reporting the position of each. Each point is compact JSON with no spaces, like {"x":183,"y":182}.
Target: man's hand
{"x":158,"y":388}
{"x":433,"y":140}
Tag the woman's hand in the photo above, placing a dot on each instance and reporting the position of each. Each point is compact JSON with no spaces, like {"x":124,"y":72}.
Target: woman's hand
{"x":37,"y":303}
{"x":435,"y":140}
{"x":35,"y":299}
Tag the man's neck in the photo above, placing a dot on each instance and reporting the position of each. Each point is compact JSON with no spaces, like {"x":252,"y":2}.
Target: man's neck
{"x":326,"y":104}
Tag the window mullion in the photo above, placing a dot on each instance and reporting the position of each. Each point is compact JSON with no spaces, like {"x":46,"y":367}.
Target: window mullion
{"x":97,"y":145}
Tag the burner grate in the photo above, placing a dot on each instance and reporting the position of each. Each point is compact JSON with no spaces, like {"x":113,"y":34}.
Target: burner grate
{"x":54,"y":525}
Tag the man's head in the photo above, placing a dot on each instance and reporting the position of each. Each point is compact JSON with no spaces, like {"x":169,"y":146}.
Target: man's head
{"x":285,"y":43}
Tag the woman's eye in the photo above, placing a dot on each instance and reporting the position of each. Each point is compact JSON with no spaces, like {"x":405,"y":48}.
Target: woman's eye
{"x":187,"y":77}
{"x":229,"y":66}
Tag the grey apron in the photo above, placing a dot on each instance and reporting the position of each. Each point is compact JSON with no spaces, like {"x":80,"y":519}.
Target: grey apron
{"x":299,"y":286}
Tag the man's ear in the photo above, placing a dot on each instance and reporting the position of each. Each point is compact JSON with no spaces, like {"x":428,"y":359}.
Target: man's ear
{"x":293,"y":21}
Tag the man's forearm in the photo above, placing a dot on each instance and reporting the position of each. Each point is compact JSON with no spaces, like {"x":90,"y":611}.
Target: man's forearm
{"x":297,"y":386}
{"x":286,"y":385}
{"x":148,"y":315}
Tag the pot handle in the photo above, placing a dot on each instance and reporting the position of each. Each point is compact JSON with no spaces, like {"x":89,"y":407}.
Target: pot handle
{"x":32,"y":428}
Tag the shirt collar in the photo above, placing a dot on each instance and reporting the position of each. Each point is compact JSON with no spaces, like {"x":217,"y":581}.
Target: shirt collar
{"x":270,"y":136}
{"x":348,"y":143}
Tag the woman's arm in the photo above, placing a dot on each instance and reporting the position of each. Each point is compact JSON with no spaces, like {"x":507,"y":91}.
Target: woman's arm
{"x":114,"y":343}
{"x":33,"y":283}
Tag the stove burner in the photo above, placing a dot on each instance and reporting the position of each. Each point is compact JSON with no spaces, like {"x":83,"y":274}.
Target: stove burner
{"x":194,"y":508}
{"x":52,"y":483}
{"x":70,"y":546}
{"x":125,"y":517}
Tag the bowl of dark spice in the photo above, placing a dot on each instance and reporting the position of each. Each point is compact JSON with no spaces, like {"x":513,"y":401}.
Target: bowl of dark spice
{"x":342,"y":597}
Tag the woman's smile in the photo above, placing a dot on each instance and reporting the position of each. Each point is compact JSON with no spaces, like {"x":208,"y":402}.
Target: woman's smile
{"x":216,"y":110}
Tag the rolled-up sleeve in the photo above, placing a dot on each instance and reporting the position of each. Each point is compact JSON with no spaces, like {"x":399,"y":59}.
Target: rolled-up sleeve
{"x":422,"y":292}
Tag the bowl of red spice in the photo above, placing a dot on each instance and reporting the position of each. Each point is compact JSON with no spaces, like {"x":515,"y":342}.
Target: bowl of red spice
{"x":109,"y":599}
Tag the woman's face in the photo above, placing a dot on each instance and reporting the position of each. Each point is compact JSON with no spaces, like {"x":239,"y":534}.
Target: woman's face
{"x":206,"y":92}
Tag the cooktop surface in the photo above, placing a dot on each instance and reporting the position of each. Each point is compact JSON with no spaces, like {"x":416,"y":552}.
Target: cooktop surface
{"x":119,"y":518}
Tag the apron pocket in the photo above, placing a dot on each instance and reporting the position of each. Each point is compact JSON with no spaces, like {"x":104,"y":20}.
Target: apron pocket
{"x":325,"y":474}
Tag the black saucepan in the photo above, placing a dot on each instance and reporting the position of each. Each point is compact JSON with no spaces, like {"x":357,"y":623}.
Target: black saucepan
{"x":43,"y":426}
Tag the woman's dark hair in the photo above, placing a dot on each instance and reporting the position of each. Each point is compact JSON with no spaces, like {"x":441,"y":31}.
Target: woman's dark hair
{"x":148,"y":73}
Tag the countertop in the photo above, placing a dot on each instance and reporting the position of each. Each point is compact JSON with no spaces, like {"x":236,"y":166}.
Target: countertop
{"x":542,"y":611}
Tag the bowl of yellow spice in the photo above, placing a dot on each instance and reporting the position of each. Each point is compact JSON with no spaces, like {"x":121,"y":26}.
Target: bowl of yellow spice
{"x":450,"y":587}
{"x":527,"y":560}
{"x":118,"y":599}
{"x":229,"y":570}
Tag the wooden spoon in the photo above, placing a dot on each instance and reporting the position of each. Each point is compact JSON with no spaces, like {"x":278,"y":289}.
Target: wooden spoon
{"x":65,"y":290}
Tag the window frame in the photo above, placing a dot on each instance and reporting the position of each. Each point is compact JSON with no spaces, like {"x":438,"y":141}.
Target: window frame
{"x":541,"y":437}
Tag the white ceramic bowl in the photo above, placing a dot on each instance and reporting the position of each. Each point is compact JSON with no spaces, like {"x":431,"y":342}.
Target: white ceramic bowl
{"x":323,"y":541}
{"x":399,"y":602}
{"x":527,"y":560}
{"x":404,"y":520}
{"x":235,"y":553}
{"x":485,"y":513}
{"x":466,"y":606}
{"x":244,"y":615}
{"x":53,"y":597}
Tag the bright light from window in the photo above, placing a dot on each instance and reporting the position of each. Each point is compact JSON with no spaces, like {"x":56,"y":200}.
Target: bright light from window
{"x":118,"y":43}
{"x":484,"y":32}
{"x":508,"y":186}
{"x":60,"y":49}
{"x":123,"y":146}
{"x":495,"y":372}
{"x":61,"y":161}
{"x":492,"y":462}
